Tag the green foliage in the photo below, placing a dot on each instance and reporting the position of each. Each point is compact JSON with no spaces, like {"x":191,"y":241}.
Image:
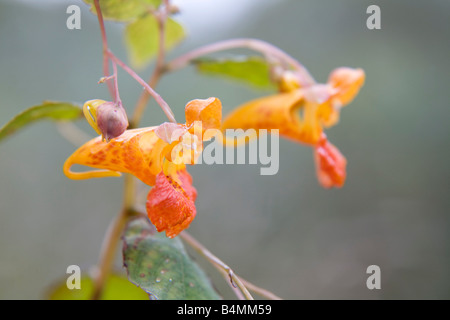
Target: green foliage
{"x":161,"y":266}
{"x":116,"y":287}
{"x":142,"y":30}
{"x":251,"y":70}
{"x":142,"y":38}
{"x":124,"y":10}
{"x":47,"y":110}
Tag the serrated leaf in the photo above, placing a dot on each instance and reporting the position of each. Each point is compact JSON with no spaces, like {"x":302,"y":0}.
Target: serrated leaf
{"x":117,"y":287}
{"x":142,"y":38}
{"x":47,"y":110}
{"x":161,"y":266}
{"x":124,"y":10}
{"x":251,"y":70}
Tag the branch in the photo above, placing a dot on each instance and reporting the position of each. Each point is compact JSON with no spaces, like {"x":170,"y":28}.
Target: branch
{"x":263,"y":47}
{"x":161,"y":17}
{"x":163,"y":104}
{"x":216,"y":262}
{"x":105,"y":45}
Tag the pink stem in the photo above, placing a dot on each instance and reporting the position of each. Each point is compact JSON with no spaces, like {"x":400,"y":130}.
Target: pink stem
{"x":105,"y":45}
{"x":164,"y":106}
{"x":258,"y":45}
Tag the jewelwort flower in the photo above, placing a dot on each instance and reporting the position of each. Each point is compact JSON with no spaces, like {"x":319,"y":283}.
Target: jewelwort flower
{"x":156,"y":156}
{"x":300,"y":114}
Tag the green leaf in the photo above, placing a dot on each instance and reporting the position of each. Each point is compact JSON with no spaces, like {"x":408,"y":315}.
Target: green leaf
{"x":252,"y":70}
{"x":161,"y":266}
{"x":117,"y":287}
{"x":47,"y":110}
{"x":142,"y":38}
{"x":124,"y":10}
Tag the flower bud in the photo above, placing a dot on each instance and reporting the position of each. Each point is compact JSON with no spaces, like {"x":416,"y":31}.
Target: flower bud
{"x":107,"y":118}
{"x":111,"y":120}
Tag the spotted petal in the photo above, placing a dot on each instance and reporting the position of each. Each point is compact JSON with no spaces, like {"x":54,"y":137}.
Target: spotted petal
{"x":170,"y":203}
{"x":137,"y":151}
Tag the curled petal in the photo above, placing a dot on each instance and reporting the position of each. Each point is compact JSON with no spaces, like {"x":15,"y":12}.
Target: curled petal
{"x":208,"y":112}
{"x":330,"y":164}
{"x":170,"y":203}
{"x":346,"y":83}
{"x":138,"y":151}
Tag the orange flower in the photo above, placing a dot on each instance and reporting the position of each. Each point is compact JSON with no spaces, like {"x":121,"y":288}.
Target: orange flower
{"x":301,"y":113}
{"x":147,"y":153}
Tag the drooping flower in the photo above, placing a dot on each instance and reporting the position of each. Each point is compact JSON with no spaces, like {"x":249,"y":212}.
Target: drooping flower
{"x":301,"y":114}
{"x":153,"y":155}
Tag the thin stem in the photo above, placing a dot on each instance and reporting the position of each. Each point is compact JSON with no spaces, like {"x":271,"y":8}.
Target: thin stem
{"x":263,"y":47}
{"x":163,"y":104}
{"x":159,"y":67}
{"x":262,"y":292}
{"x":216,"y":262}
{"x":116,"y":86}
{"x":235,"y":289}
{"x":104,"y":44}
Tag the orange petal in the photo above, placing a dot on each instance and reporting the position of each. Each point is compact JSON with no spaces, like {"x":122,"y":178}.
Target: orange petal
{"x":346,"y":83}
{"x":208,"y":111}
{"x":330,"y":164}
{"x":137,"y":151}
{"x":280,"y":111}
{"x":170,"y":203}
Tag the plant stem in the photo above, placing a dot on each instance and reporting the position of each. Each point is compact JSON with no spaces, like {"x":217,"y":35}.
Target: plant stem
{"x":163,"y":104}
{"x":262,"y":292}
{"x":105,"y":46}
{"x":159,"y":67}
{"x":216,"y":262}
{"x":116,"y":86}
{"x":263,"y":47}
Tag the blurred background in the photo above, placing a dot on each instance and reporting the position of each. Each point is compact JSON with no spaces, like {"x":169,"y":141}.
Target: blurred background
{"x":284,"y":232}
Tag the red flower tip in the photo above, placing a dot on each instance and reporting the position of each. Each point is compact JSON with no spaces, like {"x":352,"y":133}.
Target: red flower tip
{"x":330,"y":164}
{"x":170,"y":203}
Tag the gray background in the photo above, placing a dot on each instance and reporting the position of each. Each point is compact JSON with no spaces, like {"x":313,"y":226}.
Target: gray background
{"x":283,"y":232}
